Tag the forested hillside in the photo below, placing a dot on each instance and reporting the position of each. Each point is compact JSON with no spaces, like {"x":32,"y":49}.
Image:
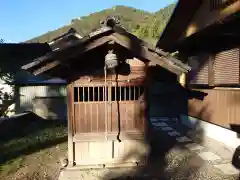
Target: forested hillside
{"x":145,"y":25}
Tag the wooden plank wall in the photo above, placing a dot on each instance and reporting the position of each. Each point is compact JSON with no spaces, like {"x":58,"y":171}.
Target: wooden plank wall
{"x":219,"y":69}
{"x":93,"y":115}
{"x":221,"y":107}
{"x":70,"y":124}
{"x":90,"y":116}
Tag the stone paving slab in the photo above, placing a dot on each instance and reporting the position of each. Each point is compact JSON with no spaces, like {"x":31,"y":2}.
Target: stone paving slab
{"x":209,"y":156}
{"x":173,"y":133}
{"x":209,"y":150}
{"x":183,"y":139}
{"x":159,"y":119}
{"x":194,"y":147}
{"x":160,"y":124}
{"x":227,"y":169}
{"x":167,"y":128}
{"x":208,"y":159}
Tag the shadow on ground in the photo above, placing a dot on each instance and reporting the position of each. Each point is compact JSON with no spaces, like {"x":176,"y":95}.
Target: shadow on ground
{"x":28,"y":134}
{"x":171,"y":101}
{"x":165,"y":153}
{"x":157,"y":161}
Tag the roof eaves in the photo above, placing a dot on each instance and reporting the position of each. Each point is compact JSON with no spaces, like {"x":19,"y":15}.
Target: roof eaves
{"x":180,"y":13}
{"x":78,"y":36}
{"x":71,"y":31}
{"x":92,"y":35}
{"x":172,"y":59}
{"x":158,"y":51}
{"x":169,"y":59}
{"x":169,"y":21}
{"x":41,"y":59}
{"x":99,"y":31}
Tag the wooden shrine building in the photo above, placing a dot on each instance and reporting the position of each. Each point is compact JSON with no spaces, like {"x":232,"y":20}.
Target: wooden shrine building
{"x":107,"y":74}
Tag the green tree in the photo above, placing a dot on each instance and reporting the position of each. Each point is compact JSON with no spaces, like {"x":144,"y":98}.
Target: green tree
{"x":142,"y":32}
{"x":6,"y":99}
{"x":137,"y":21}
{"x":161,"y":28}
{"x":155,"y":28}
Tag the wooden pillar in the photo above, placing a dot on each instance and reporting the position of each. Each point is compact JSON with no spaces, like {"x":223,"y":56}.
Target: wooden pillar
{"x":211,"y":70}
{"x":70,"y":124}
{"x":182,"y":79}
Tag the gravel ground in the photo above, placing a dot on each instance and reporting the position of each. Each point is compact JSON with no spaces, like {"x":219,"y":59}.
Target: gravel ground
{"x":184,"y":167}
{"x":175,"y":162}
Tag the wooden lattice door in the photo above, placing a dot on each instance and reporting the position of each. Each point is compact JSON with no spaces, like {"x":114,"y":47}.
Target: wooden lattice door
{"x":100,"y":108}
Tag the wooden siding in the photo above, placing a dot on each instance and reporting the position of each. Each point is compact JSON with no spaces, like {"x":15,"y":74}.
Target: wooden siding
{"x":92,"y":113}
{"x":135,"y":62}
{"x":218,"y":4}
{"x":47,"y":101}
{"x":100,"y":107}
{"x":226,"y":67}
{"x":101,"y":114}
{"x":201,"y":77}
{"x":221,"y":106}
{"x":199,"y":74}
{"x":222,"y":68}
{"x":70,"y":112}
{"x":207,"y":16}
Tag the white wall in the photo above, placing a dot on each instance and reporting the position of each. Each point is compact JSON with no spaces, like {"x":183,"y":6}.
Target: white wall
{"x":45,"y":101}
{"x":223,"y":135}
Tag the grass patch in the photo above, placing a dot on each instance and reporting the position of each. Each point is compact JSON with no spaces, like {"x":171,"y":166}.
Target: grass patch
{"x":11,"y":166}
{"x":30,"y":141}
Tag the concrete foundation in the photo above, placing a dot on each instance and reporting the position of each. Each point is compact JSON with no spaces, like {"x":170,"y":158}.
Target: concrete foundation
{"x":223,"y":135}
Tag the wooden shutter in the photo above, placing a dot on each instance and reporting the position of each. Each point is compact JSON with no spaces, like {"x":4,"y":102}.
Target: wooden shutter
{"x":226,"y":67}
{"x":199,"y":75}
{"x":218,"y":4}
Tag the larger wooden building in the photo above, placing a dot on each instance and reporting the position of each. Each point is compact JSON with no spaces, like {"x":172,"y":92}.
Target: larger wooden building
{"x":206,"y":35}
{"x":107,"y":73}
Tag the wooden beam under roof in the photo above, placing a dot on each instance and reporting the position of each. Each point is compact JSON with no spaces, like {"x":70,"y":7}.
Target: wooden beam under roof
{"x":204,"y":18}
{"x":134,"y":40}
{"x":139,"y":51}
{"x":97,"y":38}
{"x":143,"y":52}
{"x":90,"y":37}
{"x":59,"y":61}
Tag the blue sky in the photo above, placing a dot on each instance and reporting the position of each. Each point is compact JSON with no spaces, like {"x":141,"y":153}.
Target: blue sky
{"x":24,"y":19}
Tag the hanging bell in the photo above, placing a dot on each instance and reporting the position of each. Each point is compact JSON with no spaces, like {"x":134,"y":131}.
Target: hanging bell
{"x":111,"y":60}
